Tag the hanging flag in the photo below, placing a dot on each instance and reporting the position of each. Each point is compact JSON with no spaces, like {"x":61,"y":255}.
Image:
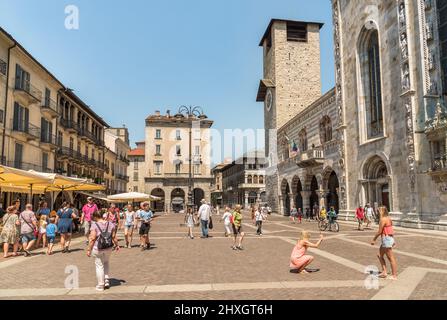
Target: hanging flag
{"x":293,"y":148}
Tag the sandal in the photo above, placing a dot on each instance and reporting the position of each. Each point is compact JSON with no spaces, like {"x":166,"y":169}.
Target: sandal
{"x":383,"y":276}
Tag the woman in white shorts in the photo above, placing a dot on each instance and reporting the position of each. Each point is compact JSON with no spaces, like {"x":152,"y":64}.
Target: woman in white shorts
{"x":129,"y":225}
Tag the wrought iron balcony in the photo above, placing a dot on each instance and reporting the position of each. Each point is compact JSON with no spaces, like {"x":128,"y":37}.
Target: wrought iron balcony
{"x":439,"y":164}
{"x":70,"y":125}
{"x":26,"y":129}
{"x":49,"y":108}
{"x":27,"y":91}
{"x":28,"y":166}
{"x":48,"y":139}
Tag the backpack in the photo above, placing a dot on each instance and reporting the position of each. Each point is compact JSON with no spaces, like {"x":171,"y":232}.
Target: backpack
{"x":105,"y":240}
{"x":232,"y":219}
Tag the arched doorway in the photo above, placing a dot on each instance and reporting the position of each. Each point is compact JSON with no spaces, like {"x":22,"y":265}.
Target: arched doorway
{"x":263,"y":197}
{"x":298,"y":189}
{"x":332,"y":196}
{"x":159,"y":205}
{"x":285,"y":191}
{"x":314,"y":198}
{"x":177,"y":200}
{"x":377,"y":183}
{"x":252,"y":197}
{"x":197,"y":195}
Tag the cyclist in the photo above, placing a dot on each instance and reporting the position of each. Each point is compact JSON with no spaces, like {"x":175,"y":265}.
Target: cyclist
{"x":332,"y":216}
{"x":323,"y":214}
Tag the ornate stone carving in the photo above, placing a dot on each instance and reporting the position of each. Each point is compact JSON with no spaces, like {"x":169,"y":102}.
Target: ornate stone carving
{"x":431,"y":60}
{"x":427,"y":4}
{"x":406,"y":77}
{"x":404,"y":45}
{"x":433,"y":88}
{"x":429,"y":30}
{"x":402,"y":17}
{"x":339,"y":104}
{"x":439,"y":121}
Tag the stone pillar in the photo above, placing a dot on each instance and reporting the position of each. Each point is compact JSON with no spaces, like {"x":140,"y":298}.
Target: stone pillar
{"x":323,"y":201}
{"x":246,"y":199}
{"x":281,"y":204}
{"x":306,"y":200}
{"x":291,"y":201}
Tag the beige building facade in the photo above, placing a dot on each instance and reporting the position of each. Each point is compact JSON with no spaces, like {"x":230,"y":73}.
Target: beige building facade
{"x":44,"y":125}
{"x":117,"y":149}
{"x":380,"y":135}
{"x":136,"y":169}
{"x":167,"y":161}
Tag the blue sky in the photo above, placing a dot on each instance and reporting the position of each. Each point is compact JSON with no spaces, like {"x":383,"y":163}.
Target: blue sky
{"x":130,"y":58}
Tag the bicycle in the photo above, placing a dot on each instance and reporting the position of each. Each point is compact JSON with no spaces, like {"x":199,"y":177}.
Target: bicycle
{"x":333,"y":226}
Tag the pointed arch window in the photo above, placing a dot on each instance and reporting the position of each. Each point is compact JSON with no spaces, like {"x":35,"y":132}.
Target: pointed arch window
{"x":370,"y":71}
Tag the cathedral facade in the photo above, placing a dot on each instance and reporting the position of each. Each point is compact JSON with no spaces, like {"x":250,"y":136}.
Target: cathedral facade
{"x":379,"y":136}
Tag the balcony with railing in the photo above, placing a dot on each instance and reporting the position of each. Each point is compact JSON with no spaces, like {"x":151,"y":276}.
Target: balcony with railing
{"x":48,"y":140}
{"x":123,"y":159}
{"x":69,"y":125}
{"x":26,"y":91}
{"x":49,"y":108}
{"x":122,"y":177}
{"x":25,"y":130}
{"x":310,"y":158}
{"x":28,"y":166}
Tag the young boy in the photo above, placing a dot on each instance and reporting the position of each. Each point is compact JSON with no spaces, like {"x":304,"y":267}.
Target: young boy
{"x":51,"y":235}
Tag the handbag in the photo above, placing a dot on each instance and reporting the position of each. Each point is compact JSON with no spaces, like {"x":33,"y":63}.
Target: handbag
{"x":210,"y":226}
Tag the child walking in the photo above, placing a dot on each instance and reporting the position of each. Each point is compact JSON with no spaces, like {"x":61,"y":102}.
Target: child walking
{"x":51,"y":230}
{"x":227,"y":221}
{"x":190,"y":221}
{"x":259,"y":218}
{"x":42,"y":236}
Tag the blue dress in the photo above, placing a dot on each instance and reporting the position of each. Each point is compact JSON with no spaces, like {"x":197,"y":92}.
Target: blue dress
{"x":65,"y":224}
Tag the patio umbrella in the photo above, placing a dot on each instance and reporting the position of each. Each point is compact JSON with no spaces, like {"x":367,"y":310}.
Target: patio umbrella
{"x":63,"y":183}
{"x":17,"y":180}
{"x":132,"y":197}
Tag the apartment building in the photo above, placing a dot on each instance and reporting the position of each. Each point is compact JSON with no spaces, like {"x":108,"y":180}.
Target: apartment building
{"x":137,"y":167}
{"x":117,"y":148}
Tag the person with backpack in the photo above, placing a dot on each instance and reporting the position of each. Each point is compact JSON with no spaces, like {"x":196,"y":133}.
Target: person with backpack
{"x":102,"y":242}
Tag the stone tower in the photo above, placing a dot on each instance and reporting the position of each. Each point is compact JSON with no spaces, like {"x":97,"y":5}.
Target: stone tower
{"x":292,"y":79}
{"x":291,"y":82}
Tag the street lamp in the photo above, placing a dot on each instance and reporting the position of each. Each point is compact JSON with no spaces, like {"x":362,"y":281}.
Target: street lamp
{"x":192,"y":112}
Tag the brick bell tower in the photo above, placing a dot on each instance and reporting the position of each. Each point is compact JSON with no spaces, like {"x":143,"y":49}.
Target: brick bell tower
{"x":291,"y":82}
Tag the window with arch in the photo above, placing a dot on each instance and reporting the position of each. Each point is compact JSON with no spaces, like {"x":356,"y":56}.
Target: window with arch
{"x":325,"y":129}
{"x":302,"y":140}
{"x":261,"y":179}
{"x":255,"y":180}
{"x":249,"y":179}
{"x":371,"y":82}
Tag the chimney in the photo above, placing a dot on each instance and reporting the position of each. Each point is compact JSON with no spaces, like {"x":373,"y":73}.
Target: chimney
{"x":168,"y":113}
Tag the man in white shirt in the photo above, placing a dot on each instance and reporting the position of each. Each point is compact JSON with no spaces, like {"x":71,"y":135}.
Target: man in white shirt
{"x":204,"y":215}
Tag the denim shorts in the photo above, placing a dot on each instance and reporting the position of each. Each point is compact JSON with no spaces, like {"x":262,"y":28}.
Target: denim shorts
{"x":28,"y":237}
{"x":387,"y":242}
{"x":51,"y":239}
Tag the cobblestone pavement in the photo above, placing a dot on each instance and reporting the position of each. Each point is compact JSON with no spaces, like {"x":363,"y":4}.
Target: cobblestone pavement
{"x":180,"y":268}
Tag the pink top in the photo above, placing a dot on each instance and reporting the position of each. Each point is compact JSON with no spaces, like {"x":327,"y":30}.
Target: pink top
{"x":88,"y":211}
{"x":298,"y":251}
{"x":388,"y":229}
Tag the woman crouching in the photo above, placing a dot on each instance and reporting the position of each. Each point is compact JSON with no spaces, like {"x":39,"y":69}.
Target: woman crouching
{"x":299,"y":260}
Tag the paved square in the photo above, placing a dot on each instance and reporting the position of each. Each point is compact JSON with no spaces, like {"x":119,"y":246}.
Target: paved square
{"x":180,"y":268}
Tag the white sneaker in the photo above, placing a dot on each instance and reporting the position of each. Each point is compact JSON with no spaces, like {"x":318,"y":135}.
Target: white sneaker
{"x":99,"y":288}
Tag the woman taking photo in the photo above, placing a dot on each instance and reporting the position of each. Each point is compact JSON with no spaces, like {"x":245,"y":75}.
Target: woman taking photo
{"x":64,"y":222}
{"x":386,"y":233}
{"x":102,"y":242}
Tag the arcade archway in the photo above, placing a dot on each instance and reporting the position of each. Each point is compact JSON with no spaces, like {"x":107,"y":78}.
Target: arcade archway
{"x":159,"y":205}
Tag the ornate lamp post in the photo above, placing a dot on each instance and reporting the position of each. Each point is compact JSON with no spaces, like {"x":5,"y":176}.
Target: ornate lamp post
{"x":192,"y":113}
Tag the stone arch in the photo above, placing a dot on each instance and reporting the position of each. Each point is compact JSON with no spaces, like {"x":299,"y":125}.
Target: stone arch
{"x":158,"y":205}
{"x":198,"y":194}
{"x":297,"y":190}
{"x":285,"y":197}
{"x":178,"y":199}
{"x":376,"y":181}
{"x":249,"y":179}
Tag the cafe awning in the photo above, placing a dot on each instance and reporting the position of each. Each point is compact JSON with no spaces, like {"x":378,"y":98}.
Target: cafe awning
{"x":132,"y":196}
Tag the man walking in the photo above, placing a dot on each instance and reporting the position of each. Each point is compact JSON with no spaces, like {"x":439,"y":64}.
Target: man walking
{"x":204,"y":216}
{"x":86,"y":218}
{"x":28,"y":226}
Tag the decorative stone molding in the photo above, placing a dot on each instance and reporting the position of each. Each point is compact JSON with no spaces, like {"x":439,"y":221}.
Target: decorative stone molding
{"x":407,"y":99}
{"x":439,"y":122}
{"x":339,"y":105}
